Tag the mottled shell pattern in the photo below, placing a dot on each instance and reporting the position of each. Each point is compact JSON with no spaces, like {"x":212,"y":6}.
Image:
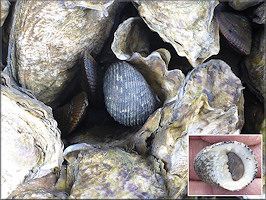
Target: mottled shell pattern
{"x":230,"y":165}
{"x":46,"y":42}
{"x":111,"y":173}
{"x":128,"y":97}
{"x":189,"y":26}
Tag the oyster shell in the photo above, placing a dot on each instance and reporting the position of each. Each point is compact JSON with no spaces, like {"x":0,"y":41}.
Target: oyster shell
{"x":30,"y":139}
{"x":5,"y":4}
{"x":39,"y":188}
{"x":201,"y":109}
{"x":255,"y":65}
{"x":128,"y":97}
{"x":192,"y":106}
{"x":43,"y":54}
{"x":231,"y":165}
{"x":111,"y":173}
{"x":130,"y":37}
{"x":153,"y":66}
{"x":243,"y":4}
{"x":259,"y":16}
{"x":188,"y":26}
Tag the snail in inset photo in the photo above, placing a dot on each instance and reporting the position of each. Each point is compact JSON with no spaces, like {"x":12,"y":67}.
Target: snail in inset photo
{"x":230,"y":165}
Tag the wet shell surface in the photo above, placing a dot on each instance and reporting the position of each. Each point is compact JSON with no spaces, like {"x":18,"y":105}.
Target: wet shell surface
{"x":128,"y":97}
{"x":237,"y":30}
{"x":230,"y":165}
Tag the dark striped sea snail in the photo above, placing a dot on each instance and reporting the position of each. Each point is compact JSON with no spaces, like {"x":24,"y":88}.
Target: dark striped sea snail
{"x":128,"y":97}
{"x":230,"y":165}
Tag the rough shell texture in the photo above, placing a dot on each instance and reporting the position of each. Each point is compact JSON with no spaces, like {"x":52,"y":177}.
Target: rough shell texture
{"x":4,"y":10}
{"x":214,"y":165}
{"x":111,"y":173}
{"x":243,"y":4}
{"x":255,"y":64}
{"x":30,"y":139}
{"x":259,"y":15}
{"x":128,"y":97}
{"x":39,"y":188}
{"x":202,"y":108}
{"x":195,"y":105}
{"x":47,"y":39}
{"x":188,"y":26}
{"x":130,"y":37}
{"x":153,"y":66}
{"x":71,"y":114}
{"x":237,"y":30}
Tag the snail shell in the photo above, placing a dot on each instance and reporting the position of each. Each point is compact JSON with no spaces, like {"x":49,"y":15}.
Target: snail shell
{"x":230,"y":165}
{"x":128,"y":97}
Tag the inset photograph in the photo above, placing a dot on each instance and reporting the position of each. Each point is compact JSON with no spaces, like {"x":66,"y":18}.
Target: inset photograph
{"x":225,"y":165}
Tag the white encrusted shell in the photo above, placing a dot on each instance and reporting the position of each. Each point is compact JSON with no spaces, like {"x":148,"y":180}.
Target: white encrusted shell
{"x":30,"y":140}
{"x":188,"y":25}
{"x":211,"y":166}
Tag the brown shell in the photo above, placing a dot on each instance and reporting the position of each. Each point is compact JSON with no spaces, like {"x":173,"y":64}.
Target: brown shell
{"x":128,"y":97}
{"x":92,"y":79}
{"x":237,"y":30}
{"x":71,"y":114}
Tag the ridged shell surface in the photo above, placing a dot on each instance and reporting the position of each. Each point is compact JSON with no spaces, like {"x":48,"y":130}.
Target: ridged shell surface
{"x":237,"y":30}
{"x":71,"y":114}
{"x":128,"y":97}
{"x":230,"y":165}
{"x":92,"y":79}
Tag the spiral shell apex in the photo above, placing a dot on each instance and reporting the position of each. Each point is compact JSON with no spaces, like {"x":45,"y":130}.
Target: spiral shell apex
{"x":128,"y":97}
{"x":230,"y":165}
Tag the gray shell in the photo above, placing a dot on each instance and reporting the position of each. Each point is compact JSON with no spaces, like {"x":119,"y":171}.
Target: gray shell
{"x":128,"y":97}
{"x":212,"y":165}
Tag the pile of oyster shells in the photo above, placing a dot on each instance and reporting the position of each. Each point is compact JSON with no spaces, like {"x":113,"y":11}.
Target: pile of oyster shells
{"x":77,"y":77}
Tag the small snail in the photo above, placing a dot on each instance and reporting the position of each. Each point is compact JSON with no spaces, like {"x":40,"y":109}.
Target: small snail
{"x":230,"y":165}
{"x":128,"y":97}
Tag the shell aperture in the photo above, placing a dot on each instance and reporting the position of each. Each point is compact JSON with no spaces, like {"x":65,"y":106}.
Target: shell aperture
{"x":235,"y":165}
{"x":215,"y":167}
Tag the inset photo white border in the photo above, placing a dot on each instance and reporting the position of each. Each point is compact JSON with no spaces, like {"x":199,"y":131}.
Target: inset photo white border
{"x":196,"y":187}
